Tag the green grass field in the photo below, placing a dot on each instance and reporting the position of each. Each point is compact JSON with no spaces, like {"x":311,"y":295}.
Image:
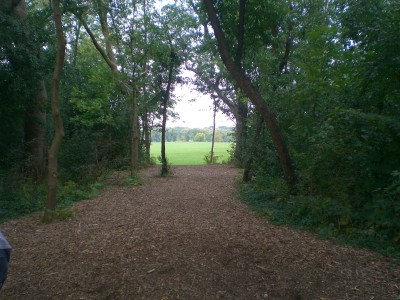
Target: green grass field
{"x":190,"y":153}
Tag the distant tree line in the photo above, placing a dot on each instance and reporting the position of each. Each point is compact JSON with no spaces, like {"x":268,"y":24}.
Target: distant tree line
{"x":185,"y":134}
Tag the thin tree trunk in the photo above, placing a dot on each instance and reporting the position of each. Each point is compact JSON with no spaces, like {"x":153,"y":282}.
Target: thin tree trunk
{"x":58,"y":124}
{"x":135,"y":139}
{"x":253,"y":94}
{"x":164,"y":168}
{"x":213,"y":133}
{"x":164,"y":163}
{"x":146,"y":133}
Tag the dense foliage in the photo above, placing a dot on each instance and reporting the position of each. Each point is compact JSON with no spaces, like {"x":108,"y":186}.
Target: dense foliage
{"x":328,"y":71}
{"x":337,"y":100}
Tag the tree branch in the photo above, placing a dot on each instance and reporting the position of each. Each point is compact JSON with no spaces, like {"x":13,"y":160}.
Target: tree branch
{"x":240,"y":36}
{"x":103,"y":54}
{"x":252,"y":93}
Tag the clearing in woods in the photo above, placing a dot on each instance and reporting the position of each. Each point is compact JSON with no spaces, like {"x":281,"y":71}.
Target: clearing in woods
{"x":184,"y":237}
{"x":191,"y":153}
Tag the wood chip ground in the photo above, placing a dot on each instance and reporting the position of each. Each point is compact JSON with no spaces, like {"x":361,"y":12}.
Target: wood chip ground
{"x":184,"y":237}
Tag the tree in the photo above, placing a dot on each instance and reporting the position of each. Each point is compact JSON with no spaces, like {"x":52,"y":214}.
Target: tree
{"x":215,"y":107}
{"x":28,"y":50}
{"x":129,"y":89}
{"x":58,"y":123}
{"x":166,"y":95}
{"x":199,"y":137}
{"x":237,"y":72}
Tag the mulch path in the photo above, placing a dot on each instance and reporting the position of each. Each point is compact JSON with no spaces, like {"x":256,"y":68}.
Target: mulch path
{"x":184,"y":237}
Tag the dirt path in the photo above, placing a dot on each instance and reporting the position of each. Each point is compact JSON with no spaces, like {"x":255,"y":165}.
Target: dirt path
{"x":184,"y":237}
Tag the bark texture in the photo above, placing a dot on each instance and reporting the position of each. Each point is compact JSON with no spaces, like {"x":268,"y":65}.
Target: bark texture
{"x":58,"y":123}
{"x":135,"y":132}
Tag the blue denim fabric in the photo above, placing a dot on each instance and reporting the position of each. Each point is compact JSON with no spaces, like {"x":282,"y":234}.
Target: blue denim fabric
{"x":4,"y":261}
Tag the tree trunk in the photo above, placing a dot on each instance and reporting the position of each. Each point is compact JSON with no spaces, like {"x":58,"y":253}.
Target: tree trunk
{"x":164,"y":167}
{"x":213,"y":133}
{"x":135,"y":133}
{"x":241,"y":133}
{"x":146,"y":133}
{"x":164,"y":163}
{"x":58,"y":124}
{"x":253,"y":94}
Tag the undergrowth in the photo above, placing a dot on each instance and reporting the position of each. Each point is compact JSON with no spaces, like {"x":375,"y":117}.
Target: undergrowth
{"x":132,"y":180}
{"x":327,"y":217}
{"x":26,"y":197}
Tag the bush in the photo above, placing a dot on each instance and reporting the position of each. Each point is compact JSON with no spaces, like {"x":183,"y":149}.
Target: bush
{"x":207,"y":159}
{"x":376,"y":227}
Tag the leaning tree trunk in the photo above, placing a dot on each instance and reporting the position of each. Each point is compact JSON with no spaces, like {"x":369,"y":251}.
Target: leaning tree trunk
{"x":58,"y":124}
{"x":237,"y":72}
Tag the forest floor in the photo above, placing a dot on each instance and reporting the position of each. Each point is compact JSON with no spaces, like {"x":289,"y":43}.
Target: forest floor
{"x":186,"y":236}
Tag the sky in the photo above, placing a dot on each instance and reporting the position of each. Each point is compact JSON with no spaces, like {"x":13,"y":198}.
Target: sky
{"x":195,"y":109}
{"x":197,"y":113}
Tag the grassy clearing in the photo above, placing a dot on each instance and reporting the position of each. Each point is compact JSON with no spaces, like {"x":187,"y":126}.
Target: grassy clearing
{"x":190,"y":153}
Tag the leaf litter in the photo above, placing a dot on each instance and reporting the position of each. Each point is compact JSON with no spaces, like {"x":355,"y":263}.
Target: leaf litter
{"x":186,"y":236}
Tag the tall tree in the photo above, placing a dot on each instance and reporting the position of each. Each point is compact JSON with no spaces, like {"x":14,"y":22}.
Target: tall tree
{"x":171,"y":66}
{"x":127,"y":88}
{"x":55,"y":108}
{"x":244,"y":82}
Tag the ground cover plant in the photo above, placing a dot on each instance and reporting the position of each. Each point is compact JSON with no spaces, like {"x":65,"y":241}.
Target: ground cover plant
{"x":191,"y":153}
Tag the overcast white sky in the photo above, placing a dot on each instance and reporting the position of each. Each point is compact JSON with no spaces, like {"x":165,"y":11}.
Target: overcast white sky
{"x":198,"y":113}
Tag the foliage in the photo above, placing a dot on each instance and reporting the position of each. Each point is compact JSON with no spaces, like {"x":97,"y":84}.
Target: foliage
{"x":329,"y":71}
{"x":207,"y":159}
{"x":23,"y":197}
{"x":328,"y":217}
{"x":337,"y":102}
{"x":57,"y":215}
{"x":132,"y":181}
